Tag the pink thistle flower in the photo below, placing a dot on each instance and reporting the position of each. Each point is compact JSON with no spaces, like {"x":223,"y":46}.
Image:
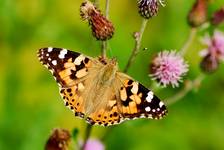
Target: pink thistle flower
{"x":215,"y":44}
{"x":214,"y":52}
{"x":168,"y":67}
{"x":93,"y":144}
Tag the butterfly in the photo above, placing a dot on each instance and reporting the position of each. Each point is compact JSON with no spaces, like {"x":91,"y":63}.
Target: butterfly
{"x":95,"y":89}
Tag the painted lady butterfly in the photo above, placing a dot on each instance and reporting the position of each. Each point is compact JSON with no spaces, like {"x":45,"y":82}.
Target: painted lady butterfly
{"x":95,"y":90}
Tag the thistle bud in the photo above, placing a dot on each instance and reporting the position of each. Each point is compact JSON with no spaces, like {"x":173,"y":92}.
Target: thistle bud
{"x":102,"y":28}
{"x":198,"y":13}
{"x":58,"y":140}
{"x":209,"y":64}
{"x":218,"y":17}
{"x":149,"y":8}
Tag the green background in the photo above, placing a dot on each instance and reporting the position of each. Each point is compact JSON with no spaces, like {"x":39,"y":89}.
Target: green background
{"x":30,"y":105}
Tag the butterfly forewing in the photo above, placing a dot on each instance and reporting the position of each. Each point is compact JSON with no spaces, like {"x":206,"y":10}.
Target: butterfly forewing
{"x":70,"y":70}
{"x":67,"y":66}
{"x":79,"y":78}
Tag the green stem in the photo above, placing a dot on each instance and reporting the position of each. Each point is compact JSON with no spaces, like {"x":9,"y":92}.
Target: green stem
{"x":189,"y":86}
{"x":188,"y":42}
{"x":107,"y":133}
{"x":104,"y":43}
{"x":87,"y":134}
{"x":136,"y":49}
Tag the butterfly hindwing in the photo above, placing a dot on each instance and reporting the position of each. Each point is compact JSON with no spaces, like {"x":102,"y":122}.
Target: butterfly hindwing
{"x":108,"y":115}
{"x":129,"y":100}
{"x":73,"y":99}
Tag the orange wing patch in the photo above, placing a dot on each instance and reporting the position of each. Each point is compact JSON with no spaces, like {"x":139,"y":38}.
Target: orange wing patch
{"x":73,"y":100}
{"x":105,"y":117}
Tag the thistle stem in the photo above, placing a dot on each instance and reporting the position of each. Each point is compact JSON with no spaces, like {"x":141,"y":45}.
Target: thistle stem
{"x":189,"y":86}
{"x":103,"y":49}
{"x":136,"y":49}
{"x":189,"y":41}
{"x":104,"y":43}
{"x":87,"y":134}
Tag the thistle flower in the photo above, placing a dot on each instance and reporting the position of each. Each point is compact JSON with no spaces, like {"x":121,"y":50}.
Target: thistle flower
{"x":102,"y":28}
{"x":198,"y":14}
{"x":215,"y":44}
{"x":149,"y":8}
{"x":58,"y":140}
{"x":93,"y":144}
{"x":168,"y":67}
{"x":214,"y":52}
{"x":218,"y":17}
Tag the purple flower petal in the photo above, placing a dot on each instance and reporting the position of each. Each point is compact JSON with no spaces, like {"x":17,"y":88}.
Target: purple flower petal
{"x":93,"y":144}
{"x":168,"y":67}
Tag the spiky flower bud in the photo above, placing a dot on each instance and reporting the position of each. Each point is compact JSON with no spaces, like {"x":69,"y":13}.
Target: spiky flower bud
{"x":58,"y":140}
{"x":209,"y":64}
{"x":218,"y":17}
{"x":149,"y":8}
{"x":102,"y":28}
{"x":198,"y":13}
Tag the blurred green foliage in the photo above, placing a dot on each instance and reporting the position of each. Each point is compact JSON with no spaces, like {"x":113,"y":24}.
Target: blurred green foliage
{"x":30,"y":106}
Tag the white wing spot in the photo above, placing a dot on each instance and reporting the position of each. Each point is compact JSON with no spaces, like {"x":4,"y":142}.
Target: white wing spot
{"x":47,"y":55}
{"x":149,"y":96}
{"x":62,"y":53}
{"x":161,"y":104}
{"x":52,"y":72}
{"x":79,"y":59}
{"x":49,"y":49}
{"x":134,"y":89}
{"x":142,"y":116}
{"x":153,"y":110}
{"x":49,"y":59}
{"x":54,"y":62}
{"x":147,"y":109}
